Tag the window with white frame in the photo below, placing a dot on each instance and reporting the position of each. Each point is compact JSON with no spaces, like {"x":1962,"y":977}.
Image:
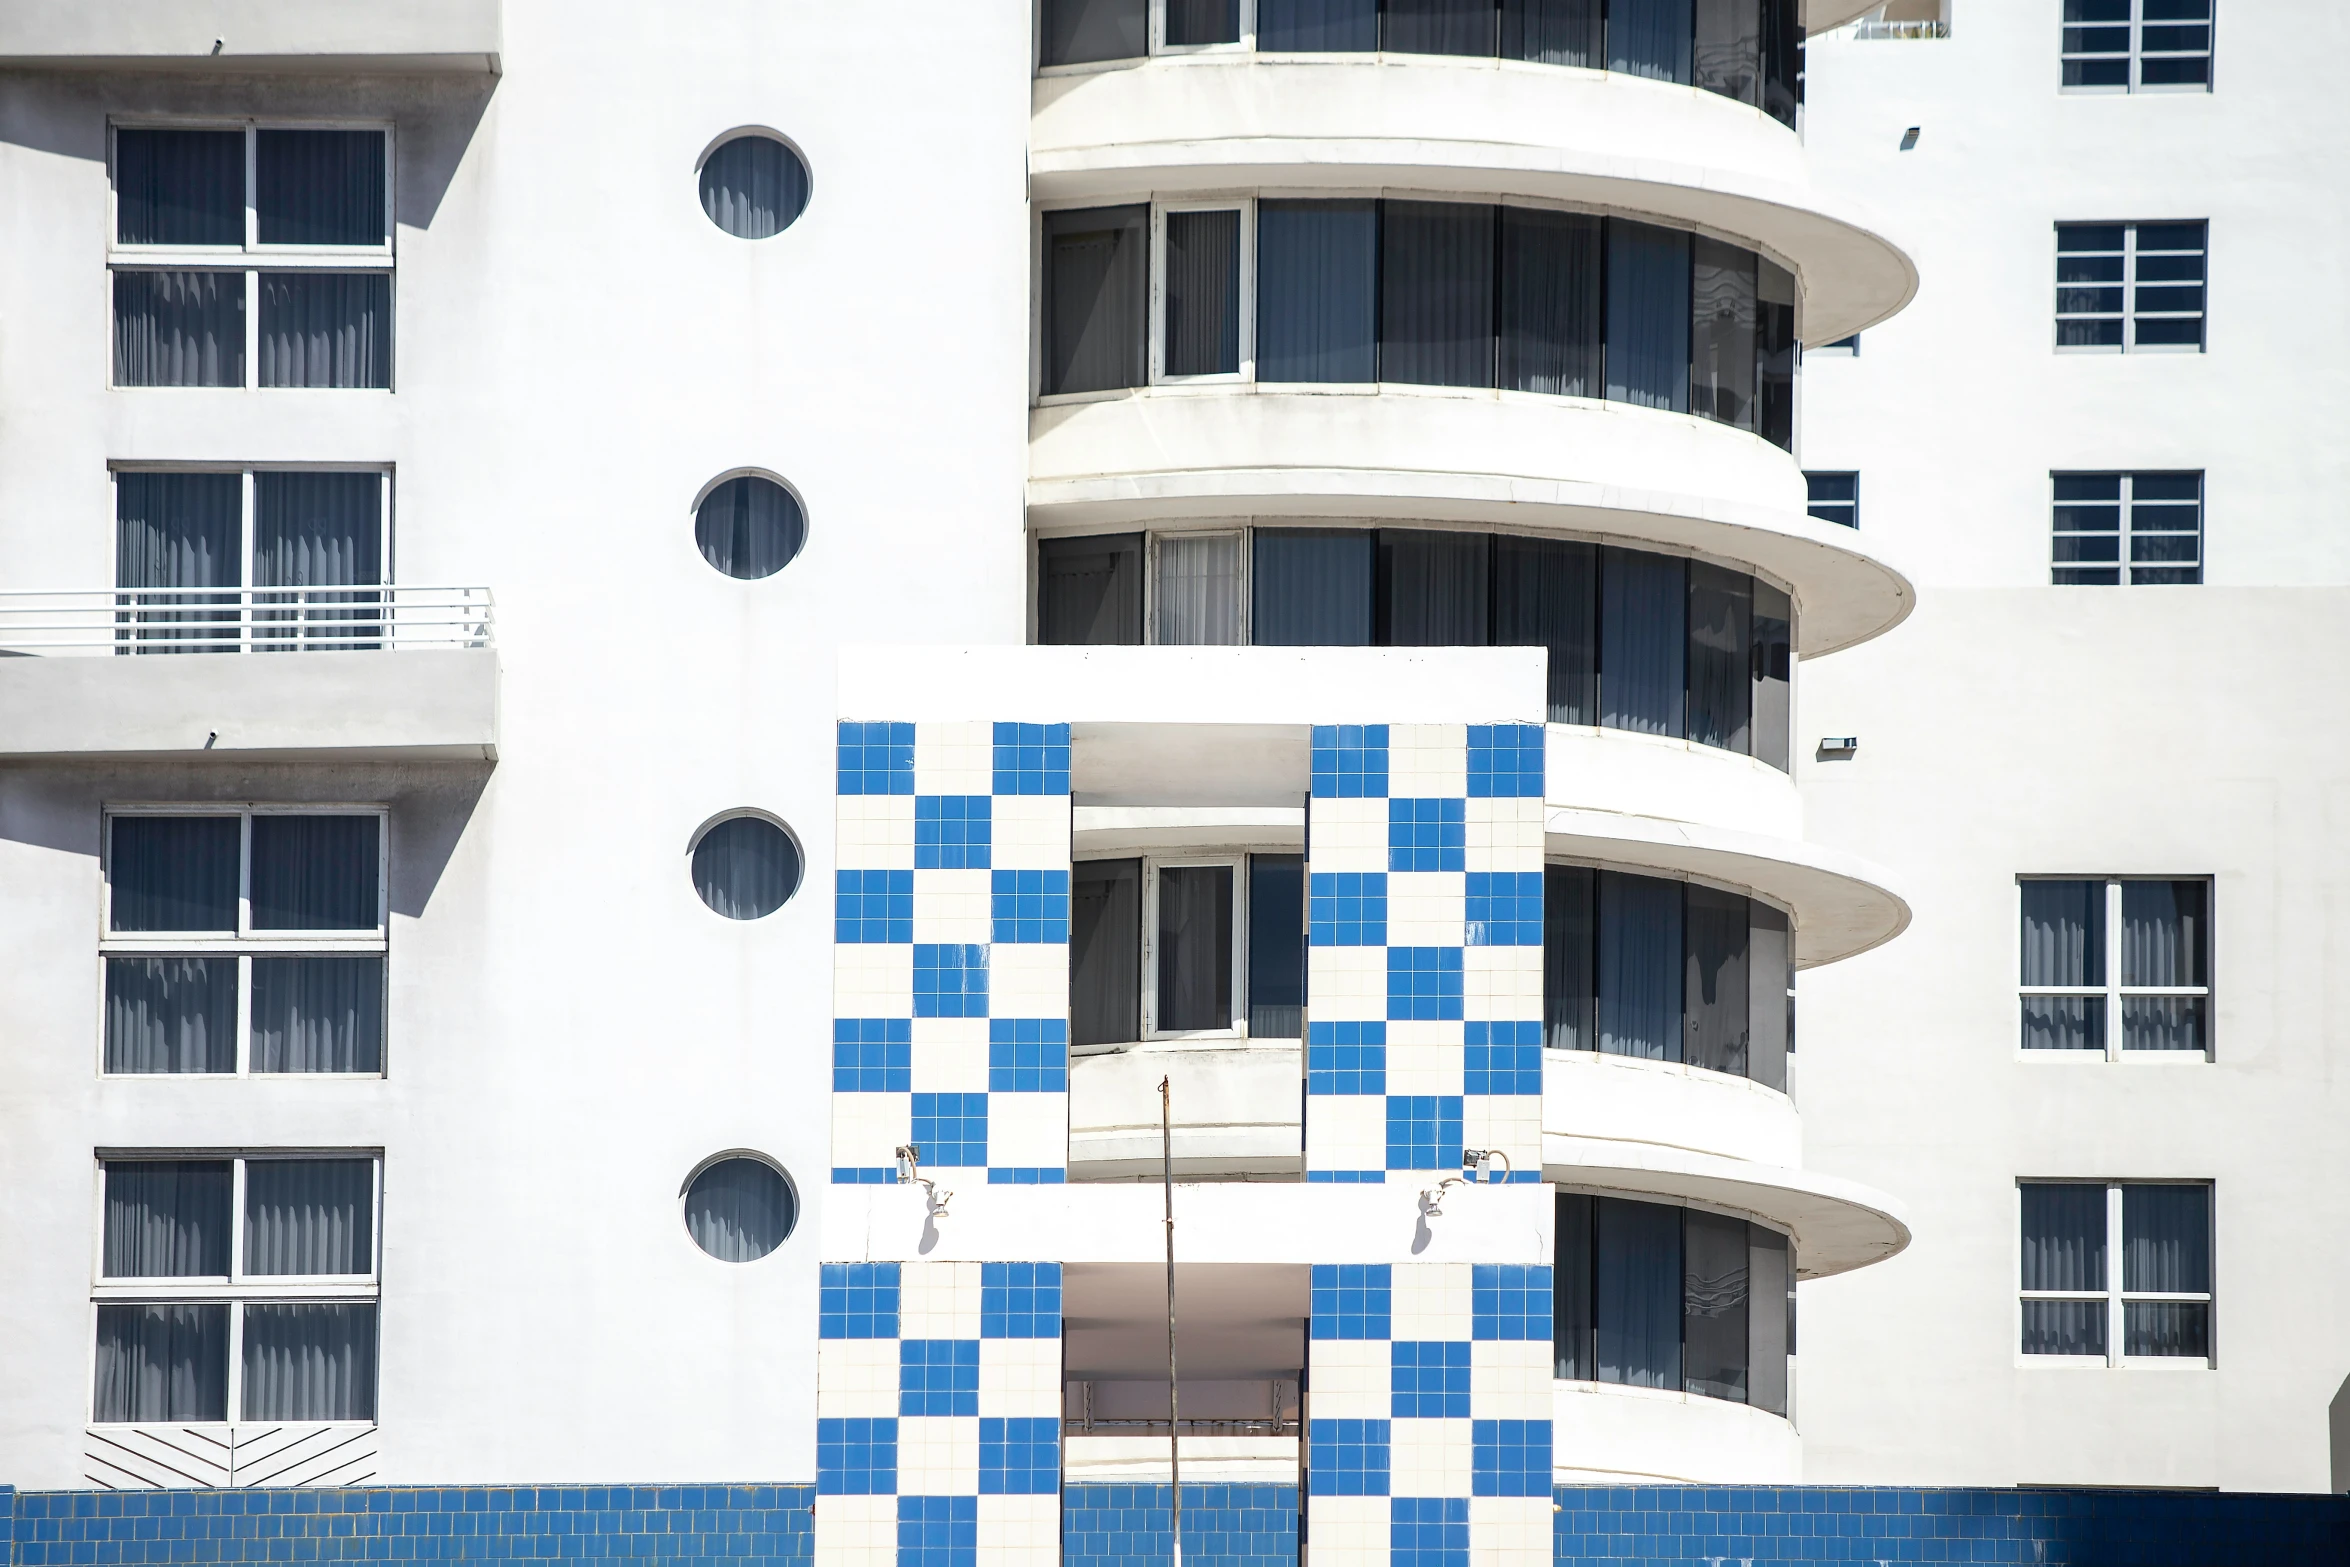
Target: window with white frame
{"x":224,"y":560}
{"x":237,"y":1287}
{"x":2137,"y":45}
{"x":2131,"y":287}
{"x":252,"y":254}
{"x":1833,"y":497}
{"x":244,"y":940}
{"x":1187,"y":946}
{"x":2117,"y":966}
{"x":2078,"y":1306}
{"x":2145,"y":529}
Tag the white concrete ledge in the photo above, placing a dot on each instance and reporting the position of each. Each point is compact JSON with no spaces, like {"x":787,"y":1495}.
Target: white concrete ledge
{"x":1587,"y":1095}
{"x":1131,"y":829}
{"x":1143,"y":1460}
{"x":1604,"y":1434}
{"x":1237,"y":1106}
{"x":403,"y":37}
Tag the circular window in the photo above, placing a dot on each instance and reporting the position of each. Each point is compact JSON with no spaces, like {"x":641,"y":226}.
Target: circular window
{"x":750,"y":527}
{"x":738,"y":1209}
{"x":753,"y":186}
{"x":746,"y":867}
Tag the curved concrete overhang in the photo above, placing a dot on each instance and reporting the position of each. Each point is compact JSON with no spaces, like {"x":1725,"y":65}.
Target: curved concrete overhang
{"x":1633,"y":1100}
{"x":1179,"y":126}
{"x":1603,"y":1433}
{"x":1520,"y":461}
{"x":1837,"y":1225}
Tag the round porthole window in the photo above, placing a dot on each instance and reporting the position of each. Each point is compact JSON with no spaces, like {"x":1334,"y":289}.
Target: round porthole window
{"x":745,"y":867}
{"x":740,"y":1208}
{"x":753,"y":186}
{"x":750,"y":526}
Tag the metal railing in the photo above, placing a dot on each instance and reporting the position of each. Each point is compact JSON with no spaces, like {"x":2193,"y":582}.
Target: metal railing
{"x":1880,"y":28}
{"x":245,"y":620}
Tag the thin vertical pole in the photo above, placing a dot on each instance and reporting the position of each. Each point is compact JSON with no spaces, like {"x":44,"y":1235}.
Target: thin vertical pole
{"x":1174,"y":1410}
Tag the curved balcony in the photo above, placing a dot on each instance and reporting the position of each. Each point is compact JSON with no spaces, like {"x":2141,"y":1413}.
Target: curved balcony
{"x":1664,"y":1103}
{"x":1603,"y":1434}
{"x":1238,"y":1115}
{"x":1184,"y":125}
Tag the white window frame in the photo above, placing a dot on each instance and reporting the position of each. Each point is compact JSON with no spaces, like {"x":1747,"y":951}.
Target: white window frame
{"x":1246,"y":304}
{"x":2130,"y":314}
{"x":2114,"y":1295}
{"x":1152,"y":865}
{"x":243,"y":944}
{"x":251,"y":258}
{"x":238,"y":1289}
{"x":246,"y":532}
{"x":2136,"y":56}
{"x":2128,"y":502}
{"x":1246,"y":44}
{"x":1152,"y":538}
{"x":2113,"y":991}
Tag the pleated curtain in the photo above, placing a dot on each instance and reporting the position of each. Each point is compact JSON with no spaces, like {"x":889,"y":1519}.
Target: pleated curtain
{"x":1317,"y":290}
{"x":1195,"y":947}
{"x":2063,"y":1249}
{"x":1199,"y":581}
{"x":179,"y":328}
{"x":1461,"y":27}
{"x":318,"y":187}
{"x":1203,"y":293}
{"x":1318,"y":26}
{"x":1639,"y":966}
{"x":1193,"y":22}
{"x":313,"y":532}
{"x":310,"y":1361}
{"x":309,"y":1217}
{"x":1434,"y":588}
{"x":2163,"y":943}
{"x":1105,"y":952}
{"x":1550,"y":306}
{"x":1311,"y":588}
{"x":173,"y":873}
{"x":754,"y":187}
{"x":1648,"y":314}
{"x":180,"y":530}
{"x":1436,"y":293}
{"x":318,"y":1014}
{"x":326,"y":329}
{"x":1546,"y":595}
{"x":161,"y":1363}
{"x":1639,"y":1295}
{"x":175,"y":187}
{"x":2063,"y":944}
{"x":1643,"y":628}
{"x":739,"y":1210}
{"x":1555,"y":32}
{"x":171,"y":1014}
{"x":315,"y":872}
{"x":1569,"y":951}
{"x":166,"y":1218}
{"x":1650,"y":38}
{"x":1276,"y":945}
{"x":2166,"y":1249}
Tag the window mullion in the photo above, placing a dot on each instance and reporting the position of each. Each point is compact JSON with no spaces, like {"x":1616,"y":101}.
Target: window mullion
{"x":245,"y":873}
{"x":2114,"y":1263}
{"x":242,"y":1044}
{"x":2113,"y":969}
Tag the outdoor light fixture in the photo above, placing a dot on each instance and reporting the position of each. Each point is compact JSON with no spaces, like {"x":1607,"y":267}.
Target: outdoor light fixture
{"x":1839,"y":745}
{"x":1477,"y":1166}
{"x":910,"y":1174}
{"x":1909,"y":138}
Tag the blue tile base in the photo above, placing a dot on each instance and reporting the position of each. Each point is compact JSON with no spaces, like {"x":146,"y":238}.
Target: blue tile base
{"x":1223,"y":1526}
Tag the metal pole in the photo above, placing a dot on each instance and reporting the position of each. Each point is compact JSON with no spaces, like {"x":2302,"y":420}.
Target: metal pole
{"x":1174,"y":1410}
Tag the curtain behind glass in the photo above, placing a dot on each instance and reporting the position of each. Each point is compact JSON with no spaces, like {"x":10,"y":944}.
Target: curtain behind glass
{"x":1191,"y":22}
{"x":1771,"y":668}
{"x":1727,"y":54}
{"x":1715,"y":989}
{"x":1571,"y":1348}
{"x":171,"y":1014}
{"x":179,"y":187}
{"x":167,"y":1219}
{"x":1771,"y":1283}
{"x":309,"y":1216}
{"x":1549,"y":327}
{"x":315,"y":872}
{"x":2164,"y":942}
{"x":179,"y":328}
{"x":1198,"y":598}
{"x":1195,"y":947}
{"x":1721,"y":657}
{"x":1642,"y":641}
{"x":1782,"y":44}
{"x":1095,"y":300}
{"x":1554,"y":32}
{"x":754,"y":187}
{"x":1774,"y":351}
{"x":318,"y":530}
{"x":1432,"y":588}
{"x":173,"y":872}
{"x":1770,"y":977}
{"x":1546,"y":595}
{"x":1203,"y":293}
{"x":1436,"y":290}
{"x":319,"y":187}
{"x":1276,"y":946}
{"x":1650,"y":38}
{"x":746,"y":868}
{"x":1569,"y":987}
{"x":2064,"y":944}
{"x":1318,"y":26}
{"x":750,"y":527}
{"x":2166,"y":1248}
{"x":180,"y":530}
{"x":1311,"y":588}
{"x":1721,"y":331}
{"x":1638,"y":1253}
{"x":1438,"y":27}
{"x":159,"y":1363}
{"x":1089,"y":591}
{"x":318,"y":1014}
{"x":1639,"y":966}
{"x":1647,"y":312}
{"x":1715,"y":1292}
{"x":1079,"y":32}
{"x":739,"y":1210}
{"x":1105,"y":952}
{"x":326,"y":329}
{"x":2064,"y":1237}
{"x":310,"y":1362}
{"x":1317,"y":289}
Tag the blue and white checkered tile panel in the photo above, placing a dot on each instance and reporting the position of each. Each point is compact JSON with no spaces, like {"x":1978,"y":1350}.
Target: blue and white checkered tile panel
{"x":951,"y":951}
{"x":938,"y":1415}
{"x":1424,"y":949}
{"x":1430,"y":1439}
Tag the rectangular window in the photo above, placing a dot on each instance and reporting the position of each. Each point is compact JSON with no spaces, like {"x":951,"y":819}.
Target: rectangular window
{"x":244,"y":941}
{"x":1190,"y":938}
{"x":1834,"y":497}
{"x":2131,"y":287}
{"x":1096,"y":307}
{"x":1318,"y":26}
{"x":1082,"y":32}
{"x":245,"y":1284}
{"x":2117,"y":966}
{"x":1436,"y":322}
{"x":2137,"y":45}
{"x":1317,"y":290}
{"x":1198,"y":24}
{"x":2147,"y":524}
{"x":1202,"y":303}
{"x":1175,"y":948}
{"x":1276,"y":946}
{"x":1200,"y":590}
{"x":1546,"y":595}
{"x":1312,"y":587}
{"x":2076,"y":1305}
{"x":252,"y":255}
{"x":1089,"y":591}
{"x":1105,"y":952}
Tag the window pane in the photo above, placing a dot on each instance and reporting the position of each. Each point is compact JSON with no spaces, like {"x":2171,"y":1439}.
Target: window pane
{"x":1105,"y":952}
{"x":1318,"y":26}
{"x":1439,"y":27}
{"x":1317,"y":290}
{"x":179,"y":187}
{"x":1727,"y":57}
{"x":2164,"y":933}
{"x":1089,"y":591}
{"x":1546,"y":595}
{"x":1639,"y":966}
{"x":1715,"y":1284}
{"x":309,"y":1216}
{"x":1638,"y":1253}
{"x":2166,"y":1239}
{"x":1554,"y":32}
{"x":1276,"y":945}
{"x":2165,"y":1023}
{"x":179,"y":329}
{"x":1568,"y":980}
{"x":1570,"y":1294}
{"x":1721,"y":686}
{"x":1198,"y":598}
{"x":1782,"y":43}
{"x":321,"y":187}
{"x":1649,"y":38}
{"x":179,"y":530}
{"x":173,"y":1014}
{"x":754,"y":187}
{"x":1436,"y":292}
{"x":326,"y":329}
{"x":315,"y":872}
{"x":1195,"y":947}
{"x":2064,"y":1327}
{"x":1774,"y":352}
{"x":746,"y":868}
{"x":1203,"y":293}
{"x":1095,"y":301}
{"x":1203,"y":21}
{"x":318,"y":1014}
{"x":1722,"y":309}
{"x":739,"y":1210}
{"x":1311,"y":588}
{"x":1432,"y":588}
{"x":2064,"y":1237}
{"x":167,"y":1219}
{"x":1714,"y":986}
{"x":1770,"y":1317}
{"x":310,"y":1362}
{"x":1078,"y":32}
{"x":2166,"y":1327}
{"x":2064,"y":932}
{"x":174,"y":873}
{"x":159,"y":1363}
{"x":2064,"y":1022}
{"x":1647,"y":312}
{"x":315,"y":531}
{"x":1773,"y":672}
{"x":1550,"y":302}
{"x":1770,"y":976}
{"x":1642,"y":641}
{"x":750,"y":527}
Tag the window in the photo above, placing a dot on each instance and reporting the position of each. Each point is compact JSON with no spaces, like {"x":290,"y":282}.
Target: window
{"x":2130,"y":287}
{"x":246,"y":1284}
{"x":753,"y":185}
{"x":1650,"y":1295}
{"x":739,"y":1208}
{"x":2137,"y":45}
{"x":749,"y":526}
{"x":1424,"y":293}
{"x":1834,"y":497}
{"x":1842,"y":348}
{"x":2152,"y":521}
{"x":252,"y":255}
{"x":2071,"y":1307}
{"x":264,"y":926}
{"x":745,"y":867}
{"x":2117,"y":965}
{"x":1654,"y":643}
{"x":1209,"y":946}
{"x":1667,"y":971}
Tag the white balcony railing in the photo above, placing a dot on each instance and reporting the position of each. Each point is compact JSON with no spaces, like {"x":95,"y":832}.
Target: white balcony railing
{"x":1879,"y":27}
{"x":245,"y":620}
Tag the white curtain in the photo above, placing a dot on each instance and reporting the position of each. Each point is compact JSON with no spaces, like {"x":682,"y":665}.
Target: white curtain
{"x":310,"y":1361}
{"x":1199,"y":590}
{"x":166,"y":1219}
{"x":318,"y":1014}
{"x":310,"y":1217}
{"x":171,"y":1014}
{"x":161,"y":1363}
